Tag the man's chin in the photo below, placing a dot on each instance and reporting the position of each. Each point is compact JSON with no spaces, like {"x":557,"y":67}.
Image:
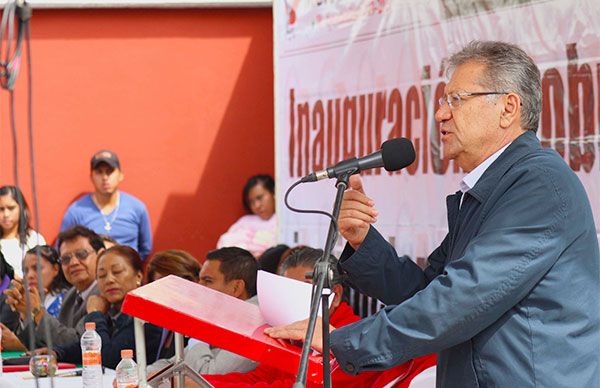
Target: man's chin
{"x":447,"y":156}
{"x":448,"y":153}
{"x":79,"y":282}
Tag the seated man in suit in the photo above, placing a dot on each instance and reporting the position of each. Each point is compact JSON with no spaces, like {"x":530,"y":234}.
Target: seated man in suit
{"x":78,"y":249}
{"x":296,"y":266}
{"x":231,"y":271}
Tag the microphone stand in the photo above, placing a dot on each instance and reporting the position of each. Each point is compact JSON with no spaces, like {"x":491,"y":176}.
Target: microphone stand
{"x":321,"y":278}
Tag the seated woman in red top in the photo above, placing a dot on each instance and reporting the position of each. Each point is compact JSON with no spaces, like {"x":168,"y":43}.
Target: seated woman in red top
{"x":296,"y":266}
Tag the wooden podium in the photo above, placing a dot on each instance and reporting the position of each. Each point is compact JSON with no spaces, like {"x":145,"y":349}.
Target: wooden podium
{"x":223,"y":321}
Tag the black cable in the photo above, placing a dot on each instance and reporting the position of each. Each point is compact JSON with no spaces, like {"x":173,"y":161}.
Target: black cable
{"x":9,"y":67}
{"x":321,"y":279}
{"x":304,"y":211}
{"x":9,"y":70}
{"x":316,"y":294}
{"x":7,"y":22}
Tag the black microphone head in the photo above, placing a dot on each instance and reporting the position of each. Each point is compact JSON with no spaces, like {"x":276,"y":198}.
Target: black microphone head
{"x":397,"y":153}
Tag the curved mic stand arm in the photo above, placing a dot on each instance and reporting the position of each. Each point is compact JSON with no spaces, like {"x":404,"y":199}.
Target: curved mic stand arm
{"x":322,"y":277}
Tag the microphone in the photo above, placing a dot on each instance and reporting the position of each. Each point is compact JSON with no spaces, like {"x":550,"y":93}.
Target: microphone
{"x":395,"y":154}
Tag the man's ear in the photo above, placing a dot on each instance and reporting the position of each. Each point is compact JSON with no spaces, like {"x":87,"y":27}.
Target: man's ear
{"x":239,"y":287}
{"x":512,"y":110}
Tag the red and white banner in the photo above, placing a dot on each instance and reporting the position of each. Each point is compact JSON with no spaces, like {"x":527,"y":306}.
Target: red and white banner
{"x":350,"y":74}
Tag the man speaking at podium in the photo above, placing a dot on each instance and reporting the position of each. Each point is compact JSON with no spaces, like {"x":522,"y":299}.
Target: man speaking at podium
{"x":511,"y":296}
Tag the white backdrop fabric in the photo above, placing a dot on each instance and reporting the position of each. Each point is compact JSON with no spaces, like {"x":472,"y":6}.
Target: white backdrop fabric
{"x":351,"y":74}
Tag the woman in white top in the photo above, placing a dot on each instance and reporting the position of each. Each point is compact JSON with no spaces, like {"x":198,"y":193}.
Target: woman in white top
{"x":17,"y":235}
{"x":257,"y":230}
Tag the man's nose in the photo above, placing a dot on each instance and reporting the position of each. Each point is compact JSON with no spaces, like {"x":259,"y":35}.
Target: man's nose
{"x":443,"y":113}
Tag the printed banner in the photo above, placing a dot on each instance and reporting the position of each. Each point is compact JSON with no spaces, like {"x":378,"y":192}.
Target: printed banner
{"x":351,"y":74}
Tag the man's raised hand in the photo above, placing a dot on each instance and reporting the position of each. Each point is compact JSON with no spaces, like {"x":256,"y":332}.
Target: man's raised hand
{"x":357,"y":213}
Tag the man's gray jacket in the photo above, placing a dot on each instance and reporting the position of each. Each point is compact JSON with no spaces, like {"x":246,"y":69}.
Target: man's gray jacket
{"x":510,"y":297}
{"x":67,"y":328}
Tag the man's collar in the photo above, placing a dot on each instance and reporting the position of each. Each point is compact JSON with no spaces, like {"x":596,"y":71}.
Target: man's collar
{"x":115,"y":199}
{"x":85,"y":293}
{"x":470,"y":180}
{"x":520,"y":147}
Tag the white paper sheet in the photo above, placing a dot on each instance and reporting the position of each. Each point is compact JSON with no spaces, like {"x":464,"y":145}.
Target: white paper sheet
{"x":283,"y":300}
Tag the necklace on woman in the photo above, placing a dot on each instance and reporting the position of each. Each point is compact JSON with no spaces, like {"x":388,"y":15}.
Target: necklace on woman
{"x":108,"y":223}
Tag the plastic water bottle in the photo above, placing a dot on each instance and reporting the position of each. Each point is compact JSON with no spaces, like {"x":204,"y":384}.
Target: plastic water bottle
{"x":91,"y":344}
{"x":127,"y":370}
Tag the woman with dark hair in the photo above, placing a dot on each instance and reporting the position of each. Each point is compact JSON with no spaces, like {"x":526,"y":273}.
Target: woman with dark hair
{"x":17,"y":235}
{"x":55,"y":286}
{"x":119,"y":270}
{"x":257,"y":230}
{"x":53,"y":279}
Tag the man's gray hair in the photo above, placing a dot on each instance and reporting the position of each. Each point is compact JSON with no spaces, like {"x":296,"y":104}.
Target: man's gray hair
{"x":508,"y":69}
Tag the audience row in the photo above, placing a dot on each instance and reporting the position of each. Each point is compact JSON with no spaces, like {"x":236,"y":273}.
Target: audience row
{"x":101,"y":277}
{"x":105,"y":238}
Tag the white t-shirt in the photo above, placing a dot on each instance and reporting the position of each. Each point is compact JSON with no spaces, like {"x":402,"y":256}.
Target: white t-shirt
{"x":14,"y":252}
{"x":252,"y":233}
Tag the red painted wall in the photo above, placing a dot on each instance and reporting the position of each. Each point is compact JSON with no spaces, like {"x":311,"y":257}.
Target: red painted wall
{"x":185,"y":98}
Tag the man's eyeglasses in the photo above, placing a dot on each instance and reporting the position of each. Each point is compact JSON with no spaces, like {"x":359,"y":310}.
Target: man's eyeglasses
{"x":80,"y":254}
{"x":455,"y":99}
